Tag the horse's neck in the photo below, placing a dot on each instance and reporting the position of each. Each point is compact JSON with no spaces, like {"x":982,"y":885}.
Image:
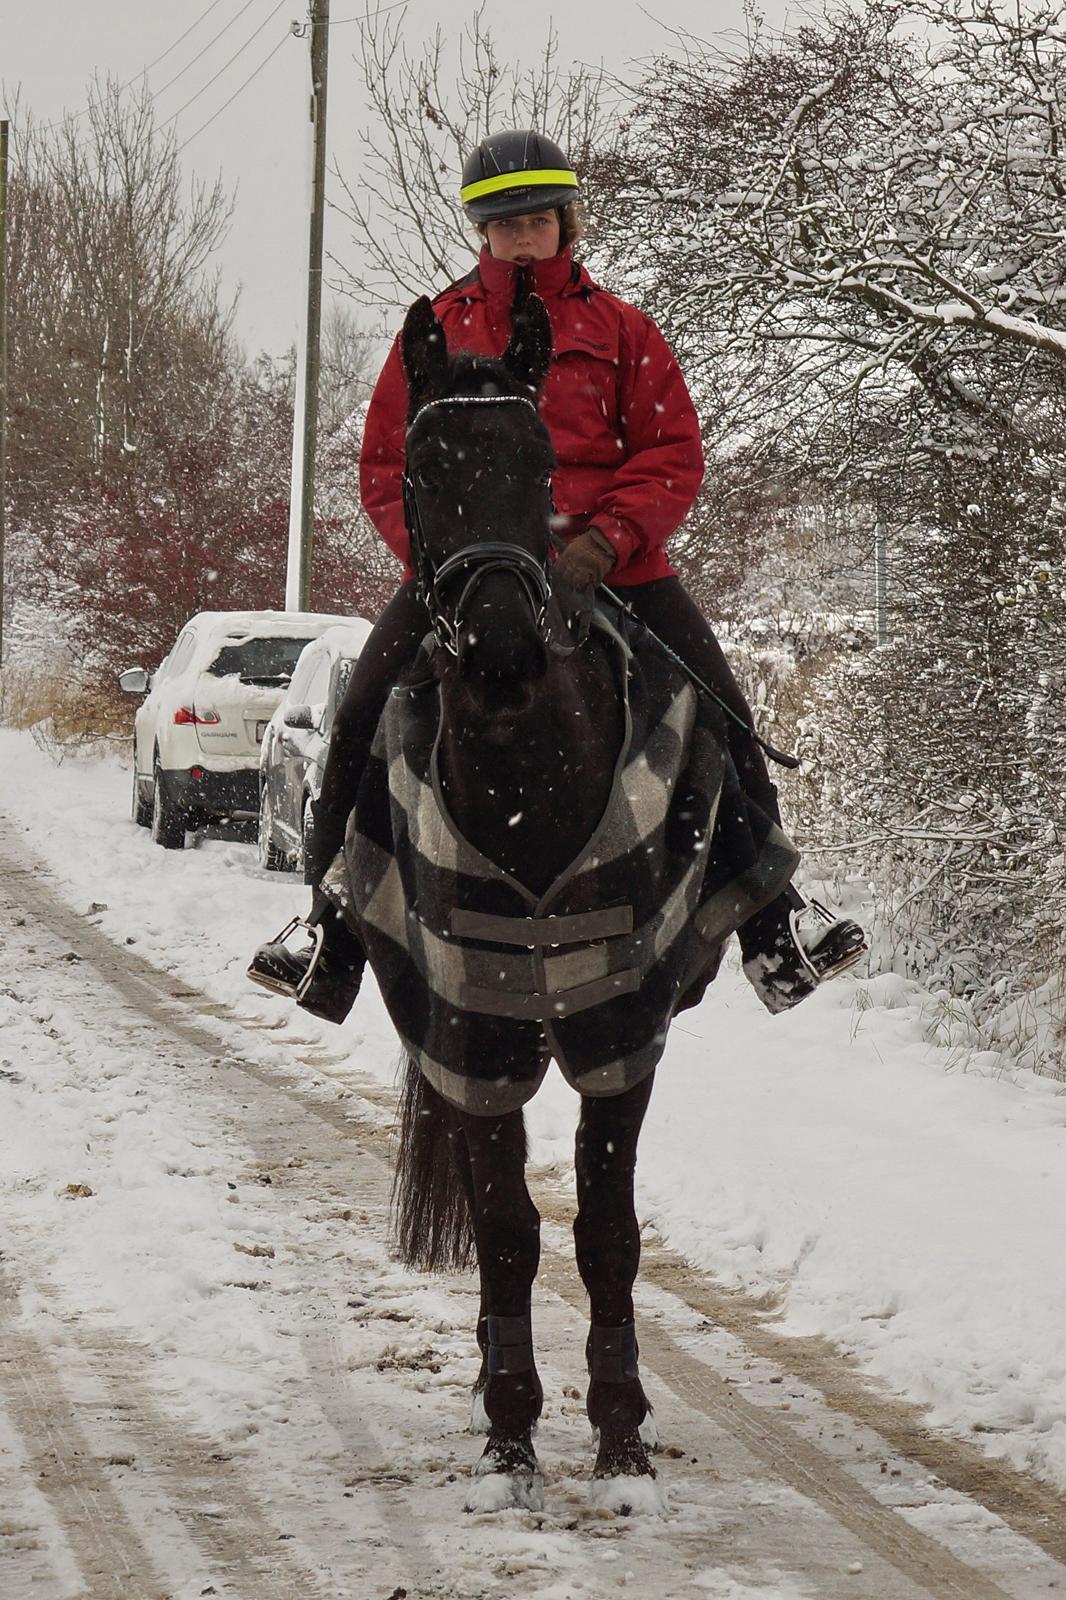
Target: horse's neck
{"x":529,"y":791}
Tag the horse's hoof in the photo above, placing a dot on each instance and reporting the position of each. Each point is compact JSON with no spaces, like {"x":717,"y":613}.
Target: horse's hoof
{"x":624,"y":1480}
{"x":505,"y":1491}
{"x":507,"y":1476}
{"x":628,"y":1496}
{"x":479,"y":1417}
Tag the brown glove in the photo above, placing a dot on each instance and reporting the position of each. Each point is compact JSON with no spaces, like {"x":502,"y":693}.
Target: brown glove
{"x":586,"y":561}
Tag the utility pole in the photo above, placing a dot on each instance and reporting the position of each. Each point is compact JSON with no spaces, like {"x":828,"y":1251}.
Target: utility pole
{"x":3,"y":367}
{"x":308,"y":358}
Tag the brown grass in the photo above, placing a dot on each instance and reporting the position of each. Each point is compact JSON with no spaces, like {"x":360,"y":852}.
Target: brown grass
{"x":64,"y":709}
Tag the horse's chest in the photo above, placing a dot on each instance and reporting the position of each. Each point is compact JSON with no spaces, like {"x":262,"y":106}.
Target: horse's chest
{"x":531,"y":829}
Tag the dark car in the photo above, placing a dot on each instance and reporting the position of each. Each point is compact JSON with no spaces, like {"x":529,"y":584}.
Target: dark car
{"x":295,"y":742}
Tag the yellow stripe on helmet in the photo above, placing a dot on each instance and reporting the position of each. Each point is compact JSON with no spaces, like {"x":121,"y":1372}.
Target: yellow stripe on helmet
{"x":546,"y":177}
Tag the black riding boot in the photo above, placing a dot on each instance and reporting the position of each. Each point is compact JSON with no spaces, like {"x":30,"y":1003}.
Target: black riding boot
{"x":324,"y":976}
{"x":793,"y":945}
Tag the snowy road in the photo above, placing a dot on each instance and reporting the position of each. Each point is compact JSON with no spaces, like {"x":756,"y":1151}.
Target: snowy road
{"x":213,"y":1380}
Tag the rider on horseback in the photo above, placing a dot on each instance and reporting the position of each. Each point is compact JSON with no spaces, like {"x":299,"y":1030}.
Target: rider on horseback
{"x":629,"y":466}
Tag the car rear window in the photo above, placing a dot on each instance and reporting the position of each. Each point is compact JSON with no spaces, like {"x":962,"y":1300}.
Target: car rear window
{"x":257,"y":660}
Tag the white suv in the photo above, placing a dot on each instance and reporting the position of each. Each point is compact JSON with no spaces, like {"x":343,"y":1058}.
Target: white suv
{"x":197,"y":735}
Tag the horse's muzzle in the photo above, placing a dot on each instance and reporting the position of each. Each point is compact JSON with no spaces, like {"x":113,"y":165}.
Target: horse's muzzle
{"x":502,"y":660}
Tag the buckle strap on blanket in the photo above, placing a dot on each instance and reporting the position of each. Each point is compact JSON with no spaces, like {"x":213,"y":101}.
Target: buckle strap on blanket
{"x":532,"y":931}
{"x":612,"y":1353}
{"x":548,"y":1007}
{"x":510,"y":1344}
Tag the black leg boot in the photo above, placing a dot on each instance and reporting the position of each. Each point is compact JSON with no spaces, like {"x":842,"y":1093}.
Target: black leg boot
{"x":324,"y":976}
{"x":623,"y":1478}
{"x":793,"y":945}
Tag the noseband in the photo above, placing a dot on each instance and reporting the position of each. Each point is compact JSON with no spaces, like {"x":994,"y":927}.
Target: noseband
{"x":474,"y":562}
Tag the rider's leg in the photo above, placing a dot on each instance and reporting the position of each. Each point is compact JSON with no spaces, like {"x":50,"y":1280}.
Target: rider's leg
{"x":665,"y":607}
{"x":390,"y":648}
{"x":785,"y":951}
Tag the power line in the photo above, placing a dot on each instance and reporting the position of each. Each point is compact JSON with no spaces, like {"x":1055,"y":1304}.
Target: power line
{"x":368,"y":16}
{"x":172,"y":47}
{"x":225,"y":29}
{"x":76,"y":116}
{"x":283,"y":40}
{"x":227,"y":64}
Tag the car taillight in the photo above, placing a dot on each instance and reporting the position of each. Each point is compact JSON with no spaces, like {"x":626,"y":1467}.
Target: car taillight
{"x":186,"y":714}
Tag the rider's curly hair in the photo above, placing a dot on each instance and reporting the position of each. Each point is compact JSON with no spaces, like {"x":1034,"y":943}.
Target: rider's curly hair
{"x":571,"y":223}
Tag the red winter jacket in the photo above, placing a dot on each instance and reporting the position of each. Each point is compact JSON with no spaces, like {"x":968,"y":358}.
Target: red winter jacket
{"x":624,"y":429}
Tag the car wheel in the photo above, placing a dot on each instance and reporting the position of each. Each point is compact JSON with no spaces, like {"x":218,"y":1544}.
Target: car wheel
{"x":271,"y":859}
{"x":307,"y":830}
{"x":140,"y":810}
{"x":168,"y":820}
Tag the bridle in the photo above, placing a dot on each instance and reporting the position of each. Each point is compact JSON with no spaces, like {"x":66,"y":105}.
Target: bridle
{"x":474,"y":562}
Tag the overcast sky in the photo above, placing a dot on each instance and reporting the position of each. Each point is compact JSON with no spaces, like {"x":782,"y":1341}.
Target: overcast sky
{"x":261,"y":142}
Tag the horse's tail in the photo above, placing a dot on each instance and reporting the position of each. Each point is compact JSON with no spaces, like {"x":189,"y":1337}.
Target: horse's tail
{"x":432,"y":1190}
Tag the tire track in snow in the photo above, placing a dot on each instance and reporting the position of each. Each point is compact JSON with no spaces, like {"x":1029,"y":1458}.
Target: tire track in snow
{"x":807,"y":1470}
{"x":204,"y":1487}
{"x":919,"y":1559}
{"x":130,"y":1538}
{"x":108,"y":1550}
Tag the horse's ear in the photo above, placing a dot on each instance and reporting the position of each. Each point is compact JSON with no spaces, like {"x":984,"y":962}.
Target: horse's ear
{"x":425,"y":354}
{"x":528,"y":356}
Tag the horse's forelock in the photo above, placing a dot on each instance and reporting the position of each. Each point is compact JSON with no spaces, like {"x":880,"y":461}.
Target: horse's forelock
{"x":484,"y":377}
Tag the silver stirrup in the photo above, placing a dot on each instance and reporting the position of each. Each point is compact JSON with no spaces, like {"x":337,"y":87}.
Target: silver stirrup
{"x":846,"y":961}
{"x":290,"y":990}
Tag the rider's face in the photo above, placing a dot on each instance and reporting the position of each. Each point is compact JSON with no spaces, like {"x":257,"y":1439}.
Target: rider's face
{"x":524,"y":239}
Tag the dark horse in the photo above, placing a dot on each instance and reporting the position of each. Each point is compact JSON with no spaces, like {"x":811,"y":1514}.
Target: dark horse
{"x":527,"y":725}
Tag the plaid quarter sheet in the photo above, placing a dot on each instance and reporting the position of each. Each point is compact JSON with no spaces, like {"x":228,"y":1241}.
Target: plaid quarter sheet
{"x":485,"y":982}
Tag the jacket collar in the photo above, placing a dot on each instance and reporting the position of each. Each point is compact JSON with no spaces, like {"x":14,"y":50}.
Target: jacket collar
{"x":557,"y":275}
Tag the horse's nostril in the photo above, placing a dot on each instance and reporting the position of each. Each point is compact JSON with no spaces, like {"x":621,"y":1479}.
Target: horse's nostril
{"x":506,"y":659}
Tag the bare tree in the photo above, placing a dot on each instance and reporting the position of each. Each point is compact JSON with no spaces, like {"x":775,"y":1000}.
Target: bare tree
{"x":111,"y":309}
{"x":853,"y":234}
{"x":851,"y":231}
{"x":431,"y":107}
{"x":348,"y":371}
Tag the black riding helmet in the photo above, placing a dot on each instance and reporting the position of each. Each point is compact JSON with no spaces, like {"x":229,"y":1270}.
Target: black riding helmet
{"x":513,"y":173}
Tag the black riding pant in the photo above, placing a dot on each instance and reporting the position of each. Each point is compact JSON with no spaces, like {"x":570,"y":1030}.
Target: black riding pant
{"x":662,"y":605}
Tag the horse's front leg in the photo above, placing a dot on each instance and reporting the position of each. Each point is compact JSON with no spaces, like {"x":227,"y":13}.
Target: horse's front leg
{"x":607,"y":1237}
{"x":507,"y":1230}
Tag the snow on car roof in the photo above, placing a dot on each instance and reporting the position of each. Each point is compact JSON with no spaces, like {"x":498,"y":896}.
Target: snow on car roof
{"x":344,"y":638}
{"x":240,"y":624}
{"x":214,"y":629}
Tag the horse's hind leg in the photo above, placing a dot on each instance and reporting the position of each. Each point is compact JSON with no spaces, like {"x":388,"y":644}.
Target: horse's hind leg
{"x":507,"y":1230}
{"x":607,"y":1237}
